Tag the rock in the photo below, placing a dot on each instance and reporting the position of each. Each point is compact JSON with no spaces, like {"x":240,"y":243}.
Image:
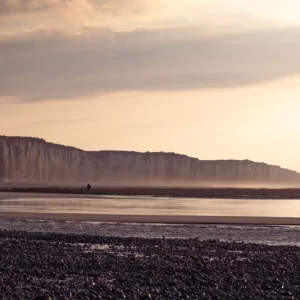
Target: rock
{"x":171,"y":272}
{"x":31,"y":159}
{"x":42,"y":297}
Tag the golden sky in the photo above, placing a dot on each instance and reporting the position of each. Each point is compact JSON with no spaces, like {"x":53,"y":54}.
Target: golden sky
{"x":216,"y":79}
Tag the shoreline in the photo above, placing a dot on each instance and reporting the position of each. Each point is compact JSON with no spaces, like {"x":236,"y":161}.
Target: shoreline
{"x":167,"y":219}
{"x":247,"y":233}
{"x":208,"y":193}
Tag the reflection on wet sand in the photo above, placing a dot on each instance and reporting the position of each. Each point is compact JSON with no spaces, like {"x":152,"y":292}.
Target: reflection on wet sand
{"x":154,"y":206}
{"x":148,"y":209}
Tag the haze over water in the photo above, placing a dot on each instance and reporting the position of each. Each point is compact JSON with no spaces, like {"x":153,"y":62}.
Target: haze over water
{"x":118,"y":205}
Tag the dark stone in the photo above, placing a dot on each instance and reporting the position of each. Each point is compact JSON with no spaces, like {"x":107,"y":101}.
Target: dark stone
{"x":176,"y":268}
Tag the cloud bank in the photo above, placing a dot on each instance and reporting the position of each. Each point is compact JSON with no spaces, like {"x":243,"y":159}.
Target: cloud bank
{"x":48,"y":66}
{"x":65,"y":15}
{"x":64,"y":49}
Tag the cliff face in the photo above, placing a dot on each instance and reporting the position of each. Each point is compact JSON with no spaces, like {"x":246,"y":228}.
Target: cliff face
{"x":34,"y":160}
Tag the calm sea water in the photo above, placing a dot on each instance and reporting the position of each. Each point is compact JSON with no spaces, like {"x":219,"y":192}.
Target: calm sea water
{"x":155,"y":206}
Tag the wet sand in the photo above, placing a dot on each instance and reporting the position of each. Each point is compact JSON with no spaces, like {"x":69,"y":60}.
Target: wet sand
{"x":134,"y":218}
{"x":152,"y":218}
{"x":271,"y":235}
{"x":14,"y":195}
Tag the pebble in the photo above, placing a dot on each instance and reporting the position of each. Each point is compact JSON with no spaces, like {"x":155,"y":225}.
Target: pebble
{"x":51,"y":266}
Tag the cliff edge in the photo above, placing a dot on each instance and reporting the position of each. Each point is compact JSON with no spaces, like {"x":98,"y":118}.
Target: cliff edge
{"x":25,"y":159}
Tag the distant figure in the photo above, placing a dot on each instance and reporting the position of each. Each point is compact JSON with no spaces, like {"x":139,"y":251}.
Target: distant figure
{"x":88,"y":187}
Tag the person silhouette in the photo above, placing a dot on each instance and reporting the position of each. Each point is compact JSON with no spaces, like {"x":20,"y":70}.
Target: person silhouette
{"x":88,"y":187}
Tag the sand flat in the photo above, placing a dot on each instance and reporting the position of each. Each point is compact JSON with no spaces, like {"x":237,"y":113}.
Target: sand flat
{"x":152,"y":218}
{"x":14,"y":195}
{"x":134,"y":218}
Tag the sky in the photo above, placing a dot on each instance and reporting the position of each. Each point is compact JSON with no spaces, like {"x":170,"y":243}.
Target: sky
{"x":212,"y":79}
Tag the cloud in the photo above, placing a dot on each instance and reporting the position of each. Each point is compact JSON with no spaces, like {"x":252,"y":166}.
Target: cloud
{"x":51,"y":13}
{"x":48,"y":66}
{"x":19,"y":16}
{"x":34,"y":6}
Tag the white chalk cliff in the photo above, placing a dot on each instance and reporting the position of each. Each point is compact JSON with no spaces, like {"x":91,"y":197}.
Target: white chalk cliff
{"x":25,"y":159}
